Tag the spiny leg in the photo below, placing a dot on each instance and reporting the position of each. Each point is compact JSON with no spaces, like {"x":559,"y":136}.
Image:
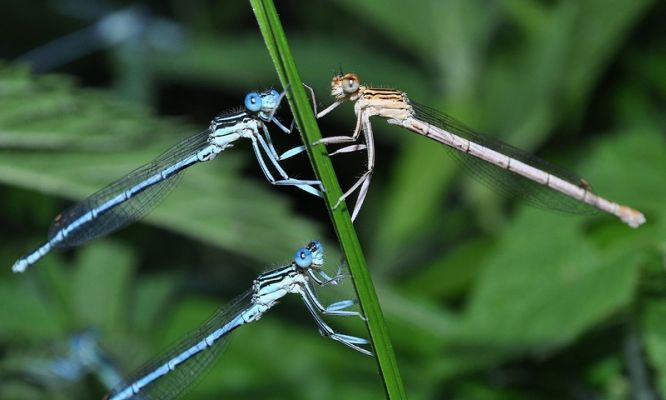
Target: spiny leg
{"x":326,"y":330}
{"x":292,"y":152}
{"x":341,"y":305}
{"x":339,"y":309}
{"x":306,"y":185}
{"x":349,"y":149}
{"x":271,"y":147}
{"x":262,"y":163}
{"x":351,"y":190}
{"x":329,"y":108}
{"x":269,"y":140}
{"x":344,"y":139}
{"x":364,"y":181}
{"x":280,"y":170}
{"x":363,"y":191}
{"x":281,"y":125}
{"x":303,"y":185}
{"x":324,"y":279}
{"x":314,"y":99}
{"x":362,"y":123}
{"x":299,"y":149}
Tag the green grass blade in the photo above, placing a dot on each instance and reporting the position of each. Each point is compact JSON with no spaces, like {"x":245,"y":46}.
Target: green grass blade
{"x":271,"y":29}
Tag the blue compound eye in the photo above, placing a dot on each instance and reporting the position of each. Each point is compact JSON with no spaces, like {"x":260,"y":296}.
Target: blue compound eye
{"x":303,"y":257}
{"x":253,"y":102}
{"x":274,"y":94}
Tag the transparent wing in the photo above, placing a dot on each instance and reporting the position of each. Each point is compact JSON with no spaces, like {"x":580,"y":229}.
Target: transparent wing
{"x":503,"y":180}
{"x":135,"y":206}
{"x":174,"y":383}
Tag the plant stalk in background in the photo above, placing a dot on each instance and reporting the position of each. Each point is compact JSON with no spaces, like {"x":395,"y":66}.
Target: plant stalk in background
{"x":271,"y":29}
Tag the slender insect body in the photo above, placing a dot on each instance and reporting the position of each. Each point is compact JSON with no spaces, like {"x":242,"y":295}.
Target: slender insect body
{"x":514,"y":164}
{"x":166,"y":377}
{"x":209,"y":152}
{"x":271,"y":286}
{"x":255,"y":312}
{"x":628,"y":215}
{"x":387,"y":103}
{"x":226,"y":140}
{"x":223,"y":135}
{"x":130,"y":197}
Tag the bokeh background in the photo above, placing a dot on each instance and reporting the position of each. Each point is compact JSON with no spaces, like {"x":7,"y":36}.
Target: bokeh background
{"x":485,"y":298}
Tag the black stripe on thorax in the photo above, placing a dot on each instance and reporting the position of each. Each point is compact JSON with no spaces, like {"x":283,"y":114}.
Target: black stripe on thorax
{"x":230,"y":119}
{"x":384,"y":94}
{"x":270,"y":277}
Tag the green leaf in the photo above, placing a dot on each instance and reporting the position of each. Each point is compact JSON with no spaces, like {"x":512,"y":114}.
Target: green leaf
{"x":151,"y":297}
{"x":565,"y":287}
{"x":451,"y":274}
{"x":558,"y":66}
{"x":388,"y":17}
{"x":625,"y":167}
{"x":413,"y":199}
{"x":654,"y":336}
{"x":100,"y":284}
{"x":23,"y":307}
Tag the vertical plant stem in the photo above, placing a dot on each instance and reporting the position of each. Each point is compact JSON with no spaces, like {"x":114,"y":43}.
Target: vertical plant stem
{"x":271,"y":29}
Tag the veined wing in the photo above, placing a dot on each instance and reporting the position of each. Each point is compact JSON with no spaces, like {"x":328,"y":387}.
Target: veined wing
{"x":173,"y":382}
{"x":502,"y":180}
{"x":128,"y":198}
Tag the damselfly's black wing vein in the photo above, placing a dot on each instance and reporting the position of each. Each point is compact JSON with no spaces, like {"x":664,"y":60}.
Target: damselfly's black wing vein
{"x":502,"y":180}
{"x":132,"y":208}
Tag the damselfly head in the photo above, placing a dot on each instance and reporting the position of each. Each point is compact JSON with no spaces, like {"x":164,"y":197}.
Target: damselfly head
{"x":303,"y":257}
{"x":345,"y":86}
{"x":317,"y":250}
{"x":253,"y":102}
{"x":264,"y":102}
{"x":270,"y":100}
{"x":310,"y":256}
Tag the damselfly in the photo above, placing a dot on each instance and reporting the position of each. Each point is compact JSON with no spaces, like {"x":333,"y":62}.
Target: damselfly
{"x":87,"y":356}
{"x":169,"y":375}
{"x":501,"y":166}
{"x":130,"y":197}
{"x":81,"y":357}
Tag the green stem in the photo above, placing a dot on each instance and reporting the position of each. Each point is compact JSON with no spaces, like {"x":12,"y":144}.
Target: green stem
{"x":271,"y":29}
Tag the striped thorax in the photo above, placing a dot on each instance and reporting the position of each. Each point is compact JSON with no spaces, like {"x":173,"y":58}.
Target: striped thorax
{"x":270,"y":286}
{"x":384,"y":102}
{"x":224,"y":132}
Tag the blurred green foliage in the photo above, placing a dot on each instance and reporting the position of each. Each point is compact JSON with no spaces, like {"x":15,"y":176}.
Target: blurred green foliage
{"x":485,"y":299}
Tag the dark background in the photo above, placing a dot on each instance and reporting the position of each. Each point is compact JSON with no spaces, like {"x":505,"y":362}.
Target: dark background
{"x":485,"y":298}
